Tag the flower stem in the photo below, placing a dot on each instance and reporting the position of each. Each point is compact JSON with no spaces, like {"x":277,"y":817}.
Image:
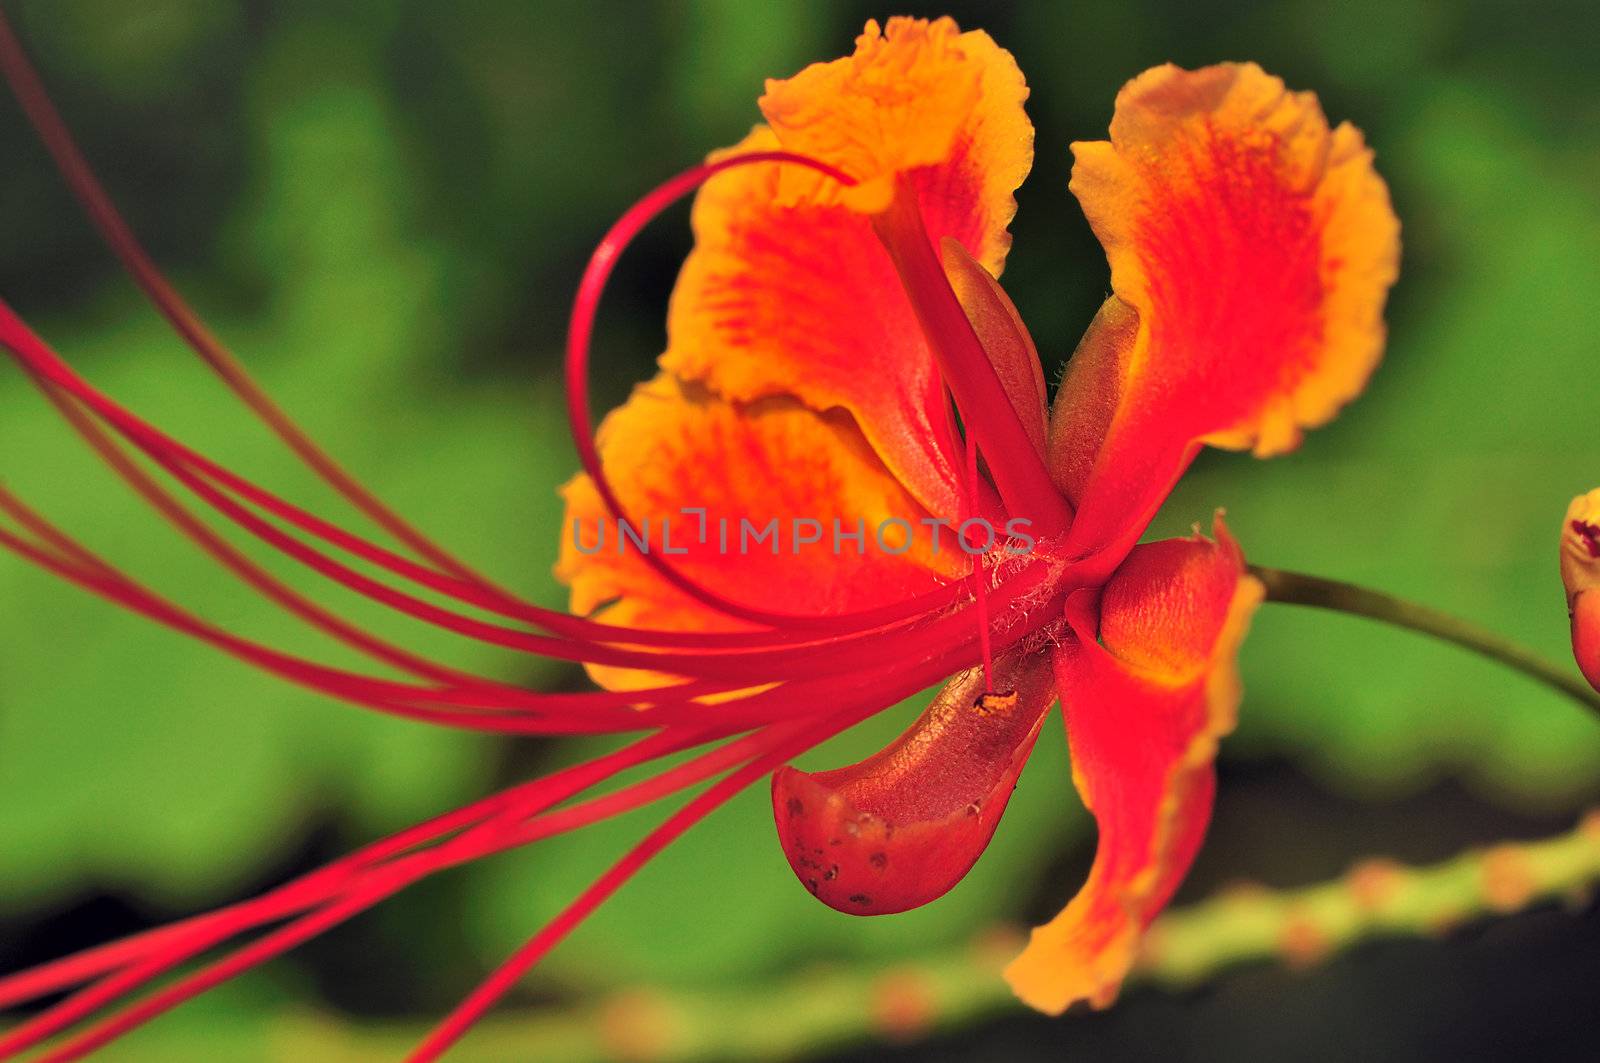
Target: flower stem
{"x":952,"y":987}
{"x":1295,"y":588}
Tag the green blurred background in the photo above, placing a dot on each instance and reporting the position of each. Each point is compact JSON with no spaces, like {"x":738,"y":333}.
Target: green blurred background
{"x":384,"y":206}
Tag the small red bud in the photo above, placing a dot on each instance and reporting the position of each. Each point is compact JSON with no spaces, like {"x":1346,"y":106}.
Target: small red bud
{"x":1580,"y":573}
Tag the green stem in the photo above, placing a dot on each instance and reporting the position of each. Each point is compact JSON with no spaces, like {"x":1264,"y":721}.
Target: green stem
{"x":1295,"y":588}
{"x":827,"y":1009}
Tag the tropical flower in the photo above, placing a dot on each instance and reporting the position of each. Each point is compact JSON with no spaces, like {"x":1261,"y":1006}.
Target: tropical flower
{"x":854,"y":417}
{"x":814,"y":334}
{"x":1580,"y":574}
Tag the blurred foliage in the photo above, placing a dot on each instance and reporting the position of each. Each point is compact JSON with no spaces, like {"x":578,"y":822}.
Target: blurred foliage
{"x":384,"y":207}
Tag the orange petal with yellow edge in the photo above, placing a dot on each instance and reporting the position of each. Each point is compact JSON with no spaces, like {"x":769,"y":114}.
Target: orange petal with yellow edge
{"x":1257,"y":246}
{"x":788,"y":289}
{"x":1147,"y":695}
{"x":674,"y":446}
{"x":918,"y":99}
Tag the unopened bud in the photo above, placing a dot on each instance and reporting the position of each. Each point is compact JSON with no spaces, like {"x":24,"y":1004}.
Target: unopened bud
{"x":1580,"y":573}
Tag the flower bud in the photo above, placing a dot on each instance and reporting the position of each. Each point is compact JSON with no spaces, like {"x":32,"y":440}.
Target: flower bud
{"x":1580,"y":572}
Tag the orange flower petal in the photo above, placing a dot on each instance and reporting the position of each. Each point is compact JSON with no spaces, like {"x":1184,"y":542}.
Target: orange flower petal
{"x":673,"y":446}
{"x":1256,"y":245}
{"x":1580,"y":574}
{"x":788,"y":289}
{"x":1147,"y":697}
{"x":923,"y":100}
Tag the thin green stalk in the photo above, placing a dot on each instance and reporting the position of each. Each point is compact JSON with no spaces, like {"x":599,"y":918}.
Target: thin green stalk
{"x":840,"y":1006}
{"x":1295,"y":588}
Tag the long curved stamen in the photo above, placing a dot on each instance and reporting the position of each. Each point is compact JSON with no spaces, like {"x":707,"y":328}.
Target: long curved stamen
{"x":751,"y":666}
{"x":41,"y":360}
{"x":236,"y":562}
{"x":183,"y":463}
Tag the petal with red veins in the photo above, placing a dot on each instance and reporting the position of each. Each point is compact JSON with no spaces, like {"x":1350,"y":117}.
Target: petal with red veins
{"x":788,"y":289}
{"x":1257,"y":246}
